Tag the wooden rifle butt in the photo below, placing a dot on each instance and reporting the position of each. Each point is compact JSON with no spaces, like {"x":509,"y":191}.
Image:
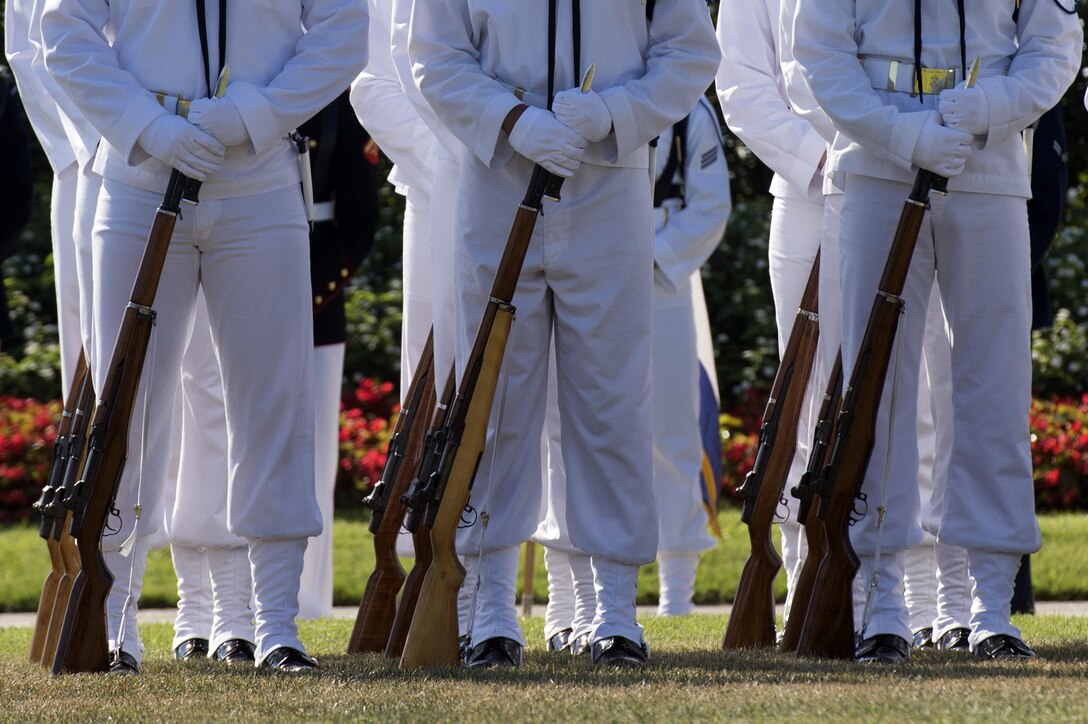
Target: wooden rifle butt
{"x":378,"y":607}
{"x":46,"y":601}
{"x":409,"y":596}
{"x":83,"y":645}
{"x":751,"y":621}
{"x":828,"y":631}
{"x":377,"y":611}
{"x":70,"y":556}
{"x":432,"y":637}
{"x":816,"y":537}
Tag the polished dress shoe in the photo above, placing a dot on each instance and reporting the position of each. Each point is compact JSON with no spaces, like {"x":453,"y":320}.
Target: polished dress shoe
{"x":923,"y":638}
{"x":954,"y":639}
{"x":191,"y":649}
{"x":579,"y":645}
{"x":288,"y":661}
{"x":122,"y":663}
{"x":235,"y":651}
{"x":497,"y":651}
{"x":1002,"y":646}
{"x":560,"y":640}
{"x":620,"y":651}
{"x":885,"y":648}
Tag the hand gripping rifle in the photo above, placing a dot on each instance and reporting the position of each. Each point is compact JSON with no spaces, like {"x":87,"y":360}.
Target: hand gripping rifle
{"x":751,"y":623}
{"x":83,"y":639}
{"x":379,"y":603}
{"x":829,"y":626}
{"x":49,"y":505}
{"x":804,"y":491}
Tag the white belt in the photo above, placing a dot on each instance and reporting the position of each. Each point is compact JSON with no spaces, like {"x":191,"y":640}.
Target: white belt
{"x":324,"y":211}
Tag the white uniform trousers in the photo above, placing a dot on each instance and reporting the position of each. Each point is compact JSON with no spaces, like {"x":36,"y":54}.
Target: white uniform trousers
{"x":442,"y":226}
{"x":416,"y":321}
{"x":64,"y":222}
{"x":88,"y":184}
{"x":794,"y":239}
{"x":315,"y":589}
{"x":580,"y":275}
{"x":978,"y":245}
{"x":249,"y":253}
{"x":215,"y":587}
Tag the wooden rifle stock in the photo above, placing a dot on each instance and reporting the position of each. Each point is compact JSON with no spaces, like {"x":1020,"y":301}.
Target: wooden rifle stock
{"x":432,"y":637}
{"x":815,"y":535}
{"x":378,"y":606}
{"x":414,"y":522}
{"x":52,"y":513}
{"x":77,"y":449}
{"x":751,"y":623}
{"x":829,"y":626}
{"x":83,"y":644}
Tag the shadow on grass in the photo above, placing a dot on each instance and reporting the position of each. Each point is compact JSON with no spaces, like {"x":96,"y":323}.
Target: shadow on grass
{"x":719,"y":668}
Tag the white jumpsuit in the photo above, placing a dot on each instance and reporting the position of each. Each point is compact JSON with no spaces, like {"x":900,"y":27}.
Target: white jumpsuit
{"x":245,"y":243}
{"x":976,"y":238}
{"x":752,"y":88}
{"x":583,"y":270}
{"x":68,"y":141}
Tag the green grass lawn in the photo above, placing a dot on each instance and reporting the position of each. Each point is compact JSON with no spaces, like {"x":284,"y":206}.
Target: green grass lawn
{"x":1060,"y":570}
{"x":689,"y":679}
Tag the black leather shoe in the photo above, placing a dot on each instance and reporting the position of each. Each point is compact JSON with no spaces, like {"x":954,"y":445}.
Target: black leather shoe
{"x":560,"y":641}
{"x":235,"y":651}
{"x":579,"y":645}
{"x":497,"y":651}
{"x":954,"y":640}
{"x":122,"y":663}
{"x":885,"y":648}
{"x":923,"y":638}
{"x":289,"y":661}
{"x":620,"y":651}
{"x":191,"y":649}
{"x":1002,"y":646}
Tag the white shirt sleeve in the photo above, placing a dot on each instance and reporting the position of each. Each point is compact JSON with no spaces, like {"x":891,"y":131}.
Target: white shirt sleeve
{"x":384,"y":109}
{"x":752,"y":94}
{"x":691,"y":233}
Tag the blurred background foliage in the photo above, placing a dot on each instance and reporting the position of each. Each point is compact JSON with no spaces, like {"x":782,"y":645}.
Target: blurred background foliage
{"x":735,"y":279}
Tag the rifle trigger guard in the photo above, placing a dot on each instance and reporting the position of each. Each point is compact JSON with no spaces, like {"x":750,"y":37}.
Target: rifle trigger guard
{"x":859,"y":507}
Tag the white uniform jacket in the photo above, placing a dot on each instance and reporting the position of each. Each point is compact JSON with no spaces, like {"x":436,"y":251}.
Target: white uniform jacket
{"x":752,"y":93}
{"x":688,"y":230}
{"x":384,"y":109}
{"x":309,"y":52}
{"x":39,"y":93}
{"x":469,"y":55}
{"x":1026,"y":67}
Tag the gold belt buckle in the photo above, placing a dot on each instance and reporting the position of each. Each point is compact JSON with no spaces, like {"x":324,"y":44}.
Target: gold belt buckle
{"x":935,"y":80}
{"x":181,"y":108}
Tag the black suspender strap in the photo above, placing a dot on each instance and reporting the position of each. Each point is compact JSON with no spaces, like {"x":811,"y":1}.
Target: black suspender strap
{"x":963,"y":38}
{"x":202,"y":26}
{"x":918,"y":44}
{"x":576,"y":32}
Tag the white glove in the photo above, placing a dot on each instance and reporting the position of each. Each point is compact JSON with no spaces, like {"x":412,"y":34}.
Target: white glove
{"x":181,"y":145}
{"x":584,"y":113}
{"x":943,"y":151}
{"x":965,"y":109}
{"x":219,"y":117}
{"x":540,"y":137}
